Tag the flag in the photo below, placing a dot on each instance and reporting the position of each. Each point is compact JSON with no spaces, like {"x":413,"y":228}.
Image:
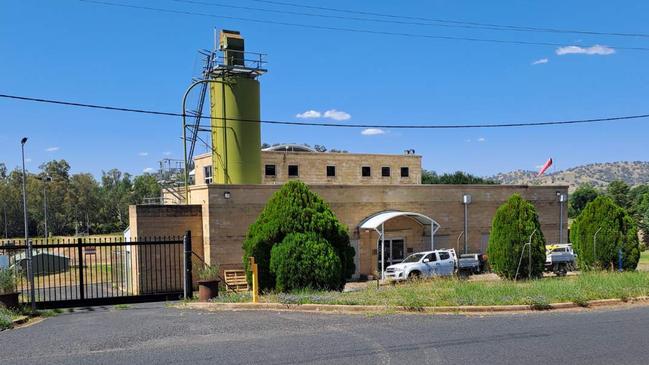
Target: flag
{"x":545,"y":167}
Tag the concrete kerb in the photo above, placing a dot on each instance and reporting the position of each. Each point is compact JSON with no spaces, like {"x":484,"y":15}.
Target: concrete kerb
{"x":342,"y":308}
{"x":20,"y":320}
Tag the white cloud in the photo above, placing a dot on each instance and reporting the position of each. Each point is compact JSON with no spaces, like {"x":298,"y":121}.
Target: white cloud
{"x":592,"y":50}
{"x":468,"y":140}
{"x":149,"y":170}
{"x":167,"y":153}
{"x":52,"y":149}
{"x":309,"y":114}
{"x":372,"y":132}
{"x":336,"y":115}
{"x":143,"y":154}
{"x":28,"y":160}
{"x":540,"y":61}
{"x":481,"y":139}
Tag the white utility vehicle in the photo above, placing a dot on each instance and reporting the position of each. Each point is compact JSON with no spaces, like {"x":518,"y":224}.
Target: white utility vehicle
{"x":424,"y":264}
{"x":560,"y":258}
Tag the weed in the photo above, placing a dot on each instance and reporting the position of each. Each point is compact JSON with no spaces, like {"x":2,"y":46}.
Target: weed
{"x":121,"y":306}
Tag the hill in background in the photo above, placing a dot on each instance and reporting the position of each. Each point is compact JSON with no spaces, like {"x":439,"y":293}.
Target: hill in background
{"x":597,"y":174}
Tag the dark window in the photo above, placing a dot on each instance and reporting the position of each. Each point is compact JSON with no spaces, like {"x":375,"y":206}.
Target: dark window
{"x":405,"y":172}
{"x":331,"y":171}
{"x":366,"y":171}
{"x":431,"y":257}
{"x":444,"y":255}
{"x":270,"y":170}
{"x":292,"y":170}
{"x":385,"y":171}
{"x":207,"y":171}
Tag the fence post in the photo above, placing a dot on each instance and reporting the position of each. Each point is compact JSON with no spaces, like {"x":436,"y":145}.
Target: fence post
{"x":255,"y":279}
{"x":82,"y":290}
{"x":187,"y":267}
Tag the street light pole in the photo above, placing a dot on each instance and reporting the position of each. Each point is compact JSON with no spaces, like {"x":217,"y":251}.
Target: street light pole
{"x":30,"y":269}
{"x":562,"y":199}
{"x":595,"y":244}
{"x":466,"y":200}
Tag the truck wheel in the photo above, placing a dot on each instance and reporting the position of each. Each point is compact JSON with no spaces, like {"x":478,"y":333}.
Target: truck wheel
{"x":414,"y":275}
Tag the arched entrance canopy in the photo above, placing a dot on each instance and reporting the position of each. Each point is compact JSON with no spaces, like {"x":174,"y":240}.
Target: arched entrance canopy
{"x":377,"y":223}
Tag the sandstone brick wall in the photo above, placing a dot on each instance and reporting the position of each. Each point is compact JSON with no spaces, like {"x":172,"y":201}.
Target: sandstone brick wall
{"x":227,"y":220}
{"x":151,"y":267}
{"x":312,"y":167}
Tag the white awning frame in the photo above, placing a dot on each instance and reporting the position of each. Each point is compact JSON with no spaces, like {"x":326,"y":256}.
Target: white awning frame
{"x":378,"y":220}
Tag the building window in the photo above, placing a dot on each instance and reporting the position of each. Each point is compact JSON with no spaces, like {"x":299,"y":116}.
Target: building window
{"x":405,"y":172}
{"x":292,"y":171}
{"x":366,"y":171}
{"x":331,"y":171}
{"x":385,"y":171}
{"x":270,"y":170}
{"x":207,"y":173}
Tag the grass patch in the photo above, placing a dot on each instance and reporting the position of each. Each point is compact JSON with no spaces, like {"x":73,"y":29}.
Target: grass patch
{"x":6,"y":318}
{"x":121,"y":306}
{"x":455,"y":292}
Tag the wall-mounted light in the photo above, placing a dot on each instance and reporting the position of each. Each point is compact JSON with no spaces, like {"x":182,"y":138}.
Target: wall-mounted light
{"x":227,"y":195}
{"x":466,"y":199}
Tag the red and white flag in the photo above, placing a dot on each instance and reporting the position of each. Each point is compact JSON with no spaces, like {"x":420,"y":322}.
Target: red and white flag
{"x":545,"y":167}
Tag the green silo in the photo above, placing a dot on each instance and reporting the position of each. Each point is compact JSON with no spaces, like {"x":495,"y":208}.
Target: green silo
{"x":234,"y":102}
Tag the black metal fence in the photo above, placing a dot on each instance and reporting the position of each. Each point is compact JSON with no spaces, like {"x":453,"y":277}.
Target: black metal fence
{"x":96,"y":271}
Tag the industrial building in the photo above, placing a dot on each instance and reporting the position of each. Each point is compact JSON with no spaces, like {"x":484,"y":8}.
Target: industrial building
{"x":370,"y":194}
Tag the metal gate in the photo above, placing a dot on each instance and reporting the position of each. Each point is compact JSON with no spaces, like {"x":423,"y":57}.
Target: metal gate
{"x":97,"y":271}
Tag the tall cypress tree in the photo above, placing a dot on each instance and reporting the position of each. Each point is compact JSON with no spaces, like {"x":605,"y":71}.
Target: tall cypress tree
{"x":511,"y":228}
{"x":616,"y":231}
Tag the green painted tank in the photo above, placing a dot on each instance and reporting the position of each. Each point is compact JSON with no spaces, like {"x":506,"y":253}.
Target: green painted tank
{"x":237,"y":144}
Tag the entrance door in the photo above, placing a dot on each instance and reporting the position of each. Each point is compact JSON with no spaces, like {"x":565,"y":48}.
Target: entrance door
{"x":394,"y":252}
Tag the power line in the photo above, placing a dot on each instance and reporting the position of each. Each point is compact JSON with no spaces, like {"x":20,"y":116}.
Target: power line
{"x":334,"y":125}
{"x":450,"y":21}
{"x":408,"y":19}
{"x":344,"y":29}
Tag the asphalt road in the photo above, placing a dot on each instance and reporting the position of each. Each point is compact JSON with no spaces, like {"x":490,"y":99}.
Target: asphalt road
{"x":157,"y":334}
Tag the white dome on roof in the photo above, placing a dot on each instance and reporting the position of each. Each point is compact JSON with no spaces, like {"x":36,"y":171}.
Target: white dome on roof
{"x":291,"y":147}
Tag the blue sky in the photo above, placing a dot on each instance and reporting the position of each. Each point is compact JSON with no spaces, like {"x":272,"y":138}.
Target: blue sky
{"x":91,"y":53}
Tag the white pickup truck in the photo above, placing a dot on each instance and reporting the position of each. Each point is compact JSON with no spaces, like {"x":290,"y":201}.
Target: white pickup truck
{"x":560,"y":258}
{"x":424,"y":264}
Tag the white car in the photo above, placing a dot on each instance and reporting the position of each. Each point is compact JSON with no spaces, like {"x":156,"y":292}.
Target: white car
{"x":424,"y":264}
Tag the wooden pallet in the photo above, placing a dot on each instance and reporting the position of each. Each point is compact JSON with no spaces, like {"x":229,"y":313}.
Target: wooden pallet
{"x":236,"y":280}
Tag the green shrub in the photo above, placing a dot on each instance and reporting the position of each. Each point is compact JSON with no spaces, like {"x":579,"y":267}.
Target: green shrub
{"x":305,"y":261}
{"x":616,"y":231}
{"x":295,"y":209}
{"x":208,"y":272}
{"x":7,"y":281}
{"x":511,"y":228}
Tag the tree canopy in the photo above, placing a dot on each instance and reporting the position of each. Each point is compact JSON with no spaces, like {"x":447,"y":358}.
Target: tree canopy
{"x":77,"y":203}
{"x":458,"y":177}
{"x":583,"y":195}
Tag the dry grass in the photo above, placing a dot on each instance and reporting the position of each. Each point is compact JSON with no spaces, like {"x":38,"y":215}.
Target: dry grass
{"x":453,"y":292}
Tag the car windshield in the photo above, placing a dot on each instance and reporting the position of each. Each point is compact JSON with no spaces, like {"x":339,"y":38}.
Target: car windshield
{"x":413,"y":258}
